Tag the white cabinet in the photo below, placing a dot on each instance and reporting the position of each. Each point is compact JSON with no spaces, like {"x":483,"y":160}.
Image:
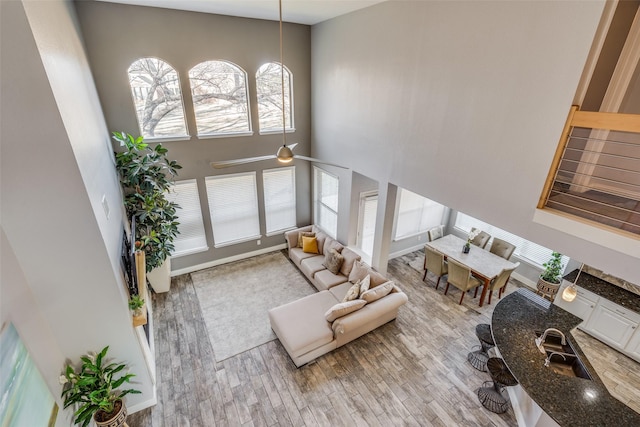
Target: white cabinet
{"x":612,"y":324}
{"x":633,"y":347}
{"x":582,"y":306}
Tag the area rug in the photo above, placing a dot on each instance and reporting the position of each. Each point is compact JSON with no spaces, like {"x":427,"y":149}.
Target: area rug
{"x":235,"y":299}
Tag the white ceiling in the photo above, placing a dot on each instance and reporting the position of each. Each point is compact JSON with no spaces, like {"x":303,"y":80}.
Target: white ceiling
{"x":307,"y":12}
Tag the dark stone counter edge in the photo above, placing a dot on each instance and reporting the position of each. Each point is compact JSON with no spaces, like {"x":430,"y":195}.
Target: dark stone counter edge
{"x":613,"y":293}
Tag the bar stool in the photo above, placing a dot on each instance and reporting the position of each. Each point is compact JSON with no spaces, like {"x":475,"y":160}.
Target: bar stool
{"x":478,"y":358}
{"x":491,"y":395}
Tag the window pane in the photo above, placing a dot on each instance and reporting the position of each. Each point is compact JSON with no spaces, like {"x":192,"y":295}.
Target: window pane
{"x":269,"y":87}
{"x":326,"y":201}
{"x":192,"y":237}
{"x":368,"y":230}
{"x":416,"y":214}
{"x":279,"y":198}
{"x":533,"y":252}
{"x":155,"y":87}
{"x":233,"y":204}
{"x":219,"y":91}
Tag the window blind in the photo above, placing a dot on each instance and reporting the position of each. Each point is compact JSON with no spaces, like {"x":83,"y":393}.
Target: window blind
{"x":233,"y":206}
{"x":368,"y":223}
{"x":279,"y":199}
{"x":192,"y":237}
{"x":416,"y":214}
{"x":326,"y":201}
{"x":535,"y":253}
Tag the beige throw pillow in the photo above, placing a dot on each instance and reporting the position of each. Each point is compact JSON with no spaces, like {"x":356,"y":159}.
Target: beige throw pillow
{"x":378,"y":292}
{"x":330,"y":243}
{"x":343,"y":308}
{"x":333,"y":261}
{"x":349,"y":258}
{"x":364,"y":284}
{"x":352,"y":293}
{"x":358,"y":272}
{"x":304,"y":234}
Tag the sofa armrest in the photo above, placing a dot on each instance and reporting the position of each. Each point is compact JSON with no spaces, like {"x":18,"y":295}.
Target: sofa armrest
{"x":291,"y":236}
{"x":369,"y":315}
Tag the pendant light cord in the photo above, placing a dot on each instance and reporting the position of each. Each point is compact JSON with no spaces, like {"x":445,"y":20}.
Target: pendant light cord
{"x":284,"y":125}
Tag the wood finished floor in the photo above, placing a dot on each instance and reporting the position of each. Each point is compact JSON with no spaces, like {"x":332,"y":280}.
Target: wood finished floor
{"x":412,"y":371}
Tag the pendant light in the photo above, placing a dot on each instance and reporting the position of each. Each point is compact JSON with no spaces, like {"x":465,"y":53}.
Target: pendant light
{"x":284,"y":155}
{"x":571,"y":291}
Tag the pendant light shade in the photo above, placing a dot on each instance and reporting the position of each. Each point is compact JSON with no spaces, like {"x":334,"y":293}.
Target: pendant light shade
{"x":571,"y":291}
{"x":285,"y":155}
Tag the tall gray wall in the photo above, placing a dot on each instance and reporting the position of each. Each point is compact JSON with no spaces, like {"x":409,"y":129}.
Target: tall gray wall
{"x":462,"y":102}
{"x":116,"y":35}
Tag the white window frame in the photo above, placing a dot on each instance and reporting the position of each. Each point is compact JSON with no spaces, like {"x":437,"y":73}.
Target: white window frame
{"x":366,"y":197}
{"x":424,"y":224}
{"x":318,"y":204}
{"x":176,"y":87}
{"x":289,"y":207}
{"x":290,"y":126}
{"x":223,"y":134}
{"x":251,"y":211}
{"x":526,"y":250}
{"x":191,"y":227}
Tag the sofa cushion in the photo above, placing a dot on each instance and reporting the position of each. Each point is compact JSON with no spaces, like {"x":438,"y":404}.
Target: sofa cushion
{"x":321,"y":237}
{"x":325,"y":279}
{"x":377,"y":279}
{"x":310,"y":266}
{"x":349,"y":258}
{"x":297,"y":256}
{"x":300,"y":325}
{"x":310,"y":245}
{"x":353,"y":293}
{"x":332,"y":243}
{"x":304,"y":234}
{"x":358,"y":272}
{"x":343,"y":308}
{"x":333,"y":260}
{"x":340,"y":291}
{"x":378,"y":292}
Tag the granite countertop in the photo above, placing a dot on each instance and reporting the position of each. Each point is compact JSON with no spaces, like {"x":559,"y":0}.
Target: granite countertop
{"x":606,"y":290}
{"x":569,"y":401}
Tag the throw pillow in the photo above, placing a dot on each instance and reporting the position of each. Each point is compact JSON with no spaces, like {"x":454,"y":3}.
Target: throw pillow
{"x":352,"y":293}
{"x":333,"y":260}
{"x":349,"y":258}
{"x":330,"y":243}
{"x":364,"y":284}
{"x":303,"y":234}
{"x":309,"y":245}
{"x":378,"y":292}
{"x":358,"y":272}
{"x":343,"y":308}
{"x":377,"y":279}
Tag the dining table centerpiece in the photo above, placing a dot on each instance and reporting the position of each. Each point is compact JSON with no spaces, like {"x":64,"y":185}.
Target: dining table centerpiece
{"x":472,"y":235}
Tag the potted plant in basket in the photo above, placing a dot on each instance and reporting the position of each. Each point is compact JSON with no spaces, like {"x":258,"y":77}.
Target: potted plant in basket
{"x":146,"y":176}
{"x":94,"y":388}
{"x":549,"y":281}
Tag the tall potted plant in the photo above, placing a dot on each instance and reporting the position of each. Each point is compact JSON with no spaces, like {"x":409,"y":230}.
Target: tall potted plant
{"x":94,"y":389}
{"x":146,"y":176}
{"x":549,"y":281}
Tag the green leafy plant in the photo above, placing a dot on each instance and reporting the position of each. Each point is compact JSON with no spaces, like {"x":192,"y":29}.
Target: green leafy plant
{"x":146,"y":176}
{"x":94,"y":387}
{"x":553,"y":269}
{"x":135,"y":302}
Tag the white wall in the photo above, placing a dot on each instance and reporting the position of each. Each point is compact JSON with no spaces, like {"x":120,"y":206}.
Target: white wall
{"x":55,"y":169}
{"x":462,"y":102}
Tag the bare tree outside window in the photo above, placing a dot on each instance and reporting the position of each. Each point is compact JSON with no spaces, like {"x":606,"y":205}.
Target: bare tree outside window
{"x":269,"y":87}
{"x":219,"y":91}
{"x":155,"y":87}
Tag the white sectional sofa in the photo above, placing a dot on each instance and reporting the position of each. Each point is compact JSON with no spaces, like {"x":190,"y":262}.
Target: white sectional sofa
{"x":306,"y":327}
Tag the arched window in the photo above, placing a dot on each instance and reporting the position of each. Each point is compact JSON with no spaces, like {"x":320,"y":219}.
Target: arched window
{"x":219,"y":91}
{"x":155,"y":87}
{"x":269,"y":87}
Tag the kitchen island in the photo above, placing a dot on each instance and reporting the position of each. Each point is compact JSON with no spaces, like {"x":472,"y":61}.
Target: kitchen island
{"x":569,"y":401}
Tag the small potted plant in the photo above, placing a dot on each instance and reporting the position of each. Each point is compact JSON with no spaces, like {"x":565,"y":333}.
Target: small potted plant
{"x":549,"y":281}
{"x":94,"y":388}
{"x":135,"y":304}
{"x":472,"y":235}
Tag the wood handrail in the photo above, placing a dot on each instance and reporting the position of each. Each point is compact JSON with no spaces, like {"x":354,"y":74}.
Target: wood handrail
{"x":611,"y":121}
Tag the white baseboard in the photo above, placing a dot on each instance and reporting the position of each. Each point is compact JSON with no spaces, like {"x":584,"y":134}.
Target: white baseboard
{"x":143,"y":405}
{"x":221,"y":261}
{"x":406,"y":251}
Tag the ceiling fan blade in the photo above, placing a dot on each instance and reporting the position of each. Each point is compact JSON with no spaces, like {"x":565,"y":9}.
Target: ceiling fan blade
{"x":291,"y":146}
{"x":229,"y":163}
{"x":311,"y":159}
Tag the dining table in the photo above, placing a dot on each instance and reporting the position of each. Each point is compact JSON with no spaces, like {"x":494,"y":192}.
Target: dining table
{"x":483,"y":264}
